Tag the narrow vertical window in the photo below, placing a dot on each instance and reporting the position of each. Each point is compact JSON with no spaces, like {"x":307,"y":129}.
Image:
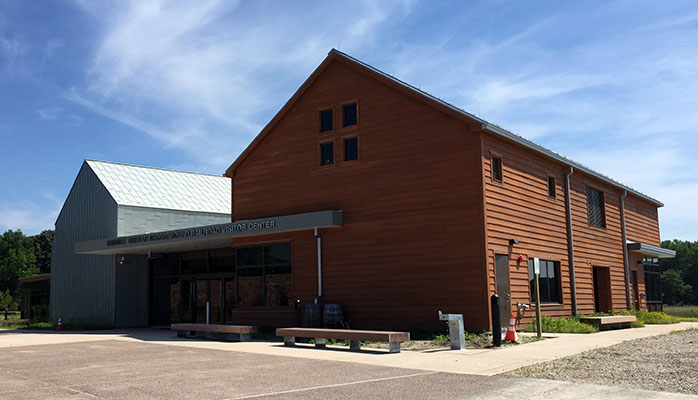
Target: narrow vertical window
{"x":497,"y":168}
{"x":551,"y":187}
{"x":349,"y":115}
{"x":596,"y":208}
{"x":351,"y":149}
{"x":327,"y":153}
{"x":326,"y":120}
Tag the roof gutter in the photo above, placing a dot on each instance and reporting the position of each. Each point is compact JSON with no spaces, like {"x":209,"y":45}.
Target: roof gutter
{"x":625,"y":250}
{"x":570,"y":240}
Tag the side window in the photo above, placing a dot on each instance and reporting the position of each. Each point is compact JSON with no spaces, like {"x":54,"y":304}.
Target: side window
{"x":552,"y":193}
{"x":549,"y":281}
{"x":351,"y":149}
{"x":349,"y":115}
{"x":496,"y":168}
{"x":327,"y":153}
{"x":596,"y":208}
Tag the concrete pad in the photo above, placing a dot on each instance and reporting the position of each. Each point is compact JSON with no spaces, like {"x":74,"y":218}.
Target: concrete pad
{"x":130,"y":369}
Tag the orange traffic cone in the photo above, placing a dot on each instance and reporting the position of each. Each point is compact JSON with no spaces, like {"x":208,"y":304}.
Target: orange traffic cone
{"x":59,"y":326}
{"x":511,"y":331}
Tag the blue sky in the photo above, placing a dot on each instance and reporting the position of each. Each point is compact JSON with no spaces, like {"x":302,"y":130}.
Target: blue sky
{"x":187,"y":85}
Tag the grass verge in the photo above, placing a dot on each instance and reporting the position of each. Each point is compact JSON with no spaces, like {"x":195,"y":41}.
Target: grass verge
{"x":47,"y":326}
{"x":561,"y":325}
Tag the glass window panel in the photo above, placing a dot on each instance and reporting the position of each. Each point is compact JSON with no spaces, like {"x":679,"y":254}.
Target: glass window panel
{"x":194,"y":263}
{"x":351,"y":149}
{"x":250,"y":287}
{"x":277,"y":254}
{"x":250,"y":256}
{"x":551,"y":186}
{"x":201,"y":301}
{"x":279,"y":288}
{"x":327,"y":153}
{"x":222,"y":262}
{"x":175,"y":298}
{"x":496,"y":168}
{"x":326,"y":120}
{"x":349,"y":111}
{"x":216,"y":301}
{"x":230,"y":295}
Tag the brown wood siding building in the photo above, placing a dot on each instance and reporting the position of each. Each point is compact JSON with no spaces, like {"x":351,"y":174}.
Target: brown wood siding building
{"x":423,"y":217}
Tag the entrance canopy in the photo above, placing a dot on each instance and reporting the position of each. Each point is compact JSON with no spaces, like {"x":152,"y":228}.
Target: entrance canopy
{"x":649,"y":250}
{"x":208,"y":237}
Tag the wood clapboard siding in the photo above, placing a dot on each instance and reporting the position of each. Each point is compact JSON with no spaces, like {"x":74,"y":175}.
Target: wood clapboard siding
{"x":519,"y":208}
{"x":411,"y":243}
{"x":641,"y":221}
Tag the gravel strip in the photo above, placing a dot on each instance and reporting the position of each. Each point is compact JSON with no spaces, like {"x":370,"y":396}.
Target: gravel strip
{"x":667,"y":363}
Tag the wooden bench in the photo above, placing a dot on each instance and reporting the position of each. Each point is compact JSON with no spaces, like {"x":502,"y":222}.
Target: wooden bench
{"x":353,"y":336}
{"x":611,"y":322}
{"x":240,"y":333}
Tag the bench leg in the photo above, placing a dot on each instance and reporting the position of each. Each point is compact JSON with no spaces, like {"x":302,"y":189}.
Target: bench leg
{"x":181,"y":333}
{"x":289,"y":341}
{"x":355,"y":345}
{"x":320,"y":343}
{"x":394,"y":347}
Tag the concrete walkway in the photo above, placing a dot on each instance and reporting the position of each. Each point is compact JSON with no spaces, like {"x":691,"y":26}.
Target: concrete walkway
{"x":477,"y":362}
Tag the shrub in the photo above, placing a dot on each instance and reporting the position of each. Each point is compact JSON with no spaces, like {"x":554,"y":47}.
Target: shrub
{"x":561,"y":325}
{"x":651,"y":317}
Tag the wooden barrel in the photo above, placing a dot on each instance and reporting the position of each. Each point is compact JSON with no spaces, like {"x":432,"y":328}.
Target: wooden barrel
{"x":313,"y":316}
{"x":333,"y":316}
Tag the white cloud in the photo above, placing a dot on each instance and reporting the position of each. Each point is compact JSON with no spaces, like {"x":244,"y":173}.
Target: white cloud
{"x":205,"y":77}
{"x":28,"y":216}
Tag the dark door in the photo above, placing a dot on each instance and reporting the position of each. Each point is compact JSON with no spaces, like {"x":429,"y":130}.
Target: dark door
{"x":602,"y":289}
{"x":502,"y":270}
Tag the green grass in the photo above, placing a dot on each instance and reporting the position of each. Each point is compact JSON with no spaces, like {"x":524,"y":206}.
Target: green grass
{"x":47,"y":326}
{"x":683,"y":313}
{"x":651,"y":317}
{"x":561,"y":325}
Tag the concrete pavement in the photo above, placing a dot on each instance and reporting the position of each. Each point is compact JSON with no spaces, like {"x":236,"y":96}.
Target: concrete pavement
{"x":129,"y":368}
{"x":478,"y":361}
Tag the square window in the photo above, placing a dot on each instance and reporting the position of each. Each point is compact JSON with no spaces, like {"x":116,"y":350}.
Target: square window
{"x":327,"y":153}
{"x":351,"y":149}
{"x":596,"y":208}
{"x":552,"y":193}
{"x":326,"y":120}
{"x":349,"y":115}
{"x":497,"y":168}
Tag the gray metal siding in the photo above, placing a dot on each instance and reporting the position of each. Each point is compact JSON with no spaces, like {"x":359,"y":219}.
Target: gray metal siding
{"x":83,"y":286}
{"x":131,"y":292}
{"x":139,"y":220}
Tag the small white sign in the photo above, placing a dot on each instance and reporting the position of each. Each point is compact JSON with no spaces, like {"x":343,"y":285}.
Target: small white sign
{"x":536,"y":265}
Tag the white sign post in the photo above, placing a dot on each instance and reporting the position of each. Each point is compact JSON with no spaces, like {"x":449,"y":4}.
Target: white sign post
{"x":536,"y":274}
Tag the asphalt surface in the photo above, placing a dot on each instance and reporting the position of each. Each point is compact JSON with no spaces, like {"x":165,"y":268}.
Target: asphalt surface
{"x":119,"y":369}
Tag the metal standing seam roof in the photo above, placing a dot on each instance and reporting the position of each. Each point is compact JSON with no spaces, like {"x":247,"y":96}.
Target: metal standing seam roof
{"x":487,"y":126}
{"x":133,"y":185}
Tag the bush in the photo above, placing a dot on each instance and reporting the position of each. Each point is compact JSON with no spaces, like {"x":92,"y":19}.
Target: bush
{"x":561,"y":325}
{"x":651,"y":317}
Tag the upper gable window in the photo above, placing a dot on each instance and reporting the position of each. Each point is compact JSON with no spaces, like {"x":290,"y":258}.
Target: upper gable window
{"x":497,"y":168}
{"x":349,"y":115}
{"x":326,"y":122}
{"x":596,"y":208}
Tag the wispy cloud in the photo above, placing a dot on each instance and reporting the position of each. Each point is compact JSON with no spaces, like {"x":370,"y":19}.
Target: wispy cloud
{"x":198,"y":76}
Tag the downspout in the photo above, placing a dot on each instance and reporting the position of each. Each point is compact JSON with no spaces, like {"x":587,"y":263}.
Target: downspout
{"x":319,"y":265}
{"x":625,"y":249}
{"x":570,"y":240}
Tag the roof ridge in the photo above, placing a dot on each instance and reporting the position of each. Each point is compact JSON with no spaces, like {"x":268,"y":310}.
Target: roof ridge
{"x":155,"y":168}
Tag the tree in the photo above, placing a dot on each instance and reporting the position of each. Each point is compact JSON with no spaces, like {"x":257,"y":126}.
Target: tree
{"x":17,"y":260}
{"x":686,"y":264}
{"x":5,"y":301}
{"x":43,"y":243}
{"x":674,"y":290}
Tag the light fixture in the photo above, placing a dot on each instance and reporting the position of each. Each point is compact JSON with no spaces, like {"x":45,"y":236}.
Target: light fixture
{"x":513,"y":242}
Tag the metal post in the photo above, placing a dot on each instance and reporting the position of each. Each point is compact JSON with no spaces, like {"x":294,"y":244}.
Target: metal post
{"x":536,"y":274}
{"x":208,"y":313}
{"x":496,"y":321}
{"x":297,"y":313}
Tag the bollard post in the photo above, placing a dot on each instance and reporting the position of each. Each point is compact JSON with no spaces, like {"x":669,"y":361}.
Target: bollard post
{"x":297,"y":313}
{"x":496,"y":322}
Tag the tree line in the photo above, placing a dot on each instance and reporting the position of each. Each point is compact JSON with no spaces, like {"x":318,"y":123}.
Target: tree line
{"x":21,"y":256}
{"x":679,"y":278}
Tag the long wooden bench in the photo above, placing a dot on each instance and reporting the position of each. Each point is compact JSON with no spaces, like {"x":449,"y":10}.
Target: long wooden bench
{"x":353,"y":336}
{"x":610,"y":322}
{"x":240,"y":333}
